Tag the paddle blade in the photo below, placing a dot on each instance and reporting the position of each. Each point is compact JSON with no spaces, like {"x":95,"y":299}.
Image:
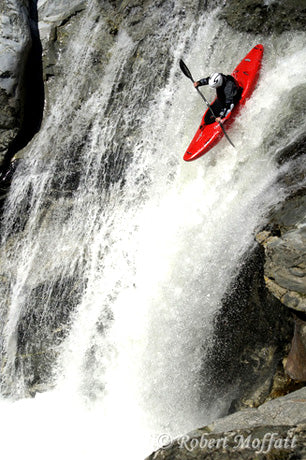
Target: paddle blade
{"x":185,"y":69}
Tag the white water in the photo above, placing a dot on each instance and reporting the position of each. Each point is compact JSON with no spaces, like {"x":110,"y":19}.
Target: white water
{"x":154,"y":256}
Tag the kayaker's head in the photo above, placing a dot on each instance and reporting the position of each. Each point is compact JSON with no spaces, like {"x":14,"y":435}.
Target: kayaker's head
{"x":215,"y":80}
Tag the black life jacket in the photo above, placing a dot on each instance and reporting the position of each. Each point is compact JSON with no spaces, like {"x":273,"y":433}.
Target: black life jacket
{"x":229,"y":92}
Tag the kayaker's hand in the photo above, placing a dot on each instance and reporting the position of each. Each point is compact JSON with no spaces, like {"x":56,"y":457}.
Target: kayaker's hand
{"x":196,"y":84}
{"x":218,"y":119}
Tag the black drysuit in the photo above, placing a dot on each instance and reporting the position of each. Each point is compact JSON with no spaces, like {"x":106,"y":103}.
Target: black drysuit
{"x":228,"y":94}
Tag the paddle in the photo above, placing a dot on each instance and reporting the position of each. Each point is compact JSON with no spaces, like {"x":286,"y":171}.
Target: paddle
{"x":186,"y":72}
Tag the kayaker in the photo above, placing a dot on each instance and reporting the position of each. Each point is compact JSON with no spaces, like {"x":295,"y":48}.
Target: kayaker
{"x":228,"y":94}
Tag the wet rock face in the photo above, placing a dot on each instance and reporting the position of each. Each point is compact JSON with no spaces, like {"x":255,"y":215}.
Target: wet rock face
{"x":34,"y":344}
{"x":21,"y":85}
{"x":285,"y":273}
{"x":55,"y":20}
{"x":252,"y":335}
{"x":296,"y":362}
{"x":15,"y":44}
{"x":265,"y":17}
{"x":285,"y":269}
{"x":276,"y":430}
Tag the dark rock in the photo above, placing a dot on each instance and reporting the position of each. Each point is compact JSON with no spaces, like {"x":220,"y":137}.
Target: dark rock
{"x":285,"y":269}
{"x":296,"y":362}
{"x":285,"y":262}
{"x":257,"y":16}
{"x":21,"y":86}
{"x":252,"y":335}
{"x":295,"y":150}
{"x":39,"y":335}
{"x":15,"y":44}
{"x":32,"y":89}
{"x":5,"y":181}
{"x":285,"y":272}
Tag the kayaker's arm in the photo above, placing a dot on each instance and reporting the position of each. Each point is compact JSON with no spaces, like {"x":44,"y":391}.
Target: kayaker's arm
{"x":202,"y":82}
{"x":226,"y":110}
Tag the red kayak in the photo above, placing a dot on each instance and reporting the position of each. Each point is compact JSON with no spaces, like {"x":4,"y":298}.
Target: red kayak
{"x":246,"y":74}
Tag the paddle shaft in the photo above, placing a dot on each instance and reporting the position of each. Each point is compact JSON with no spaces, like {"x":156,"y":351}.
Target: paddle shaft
{"x":187,"y":72}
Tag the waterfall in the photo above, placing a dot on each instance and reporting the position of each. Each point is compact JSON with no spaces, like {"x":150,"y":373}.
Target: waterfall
{"x":116,"y":254}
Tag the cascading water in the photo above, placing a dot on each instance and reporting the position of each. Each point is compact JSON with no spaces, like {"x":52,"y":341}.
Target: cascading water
{"x":116,"y":255}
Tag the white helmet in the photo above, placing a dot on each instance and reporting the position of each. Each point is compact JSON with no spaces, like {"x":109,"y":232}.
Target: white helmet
{"x":215,"y":80}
